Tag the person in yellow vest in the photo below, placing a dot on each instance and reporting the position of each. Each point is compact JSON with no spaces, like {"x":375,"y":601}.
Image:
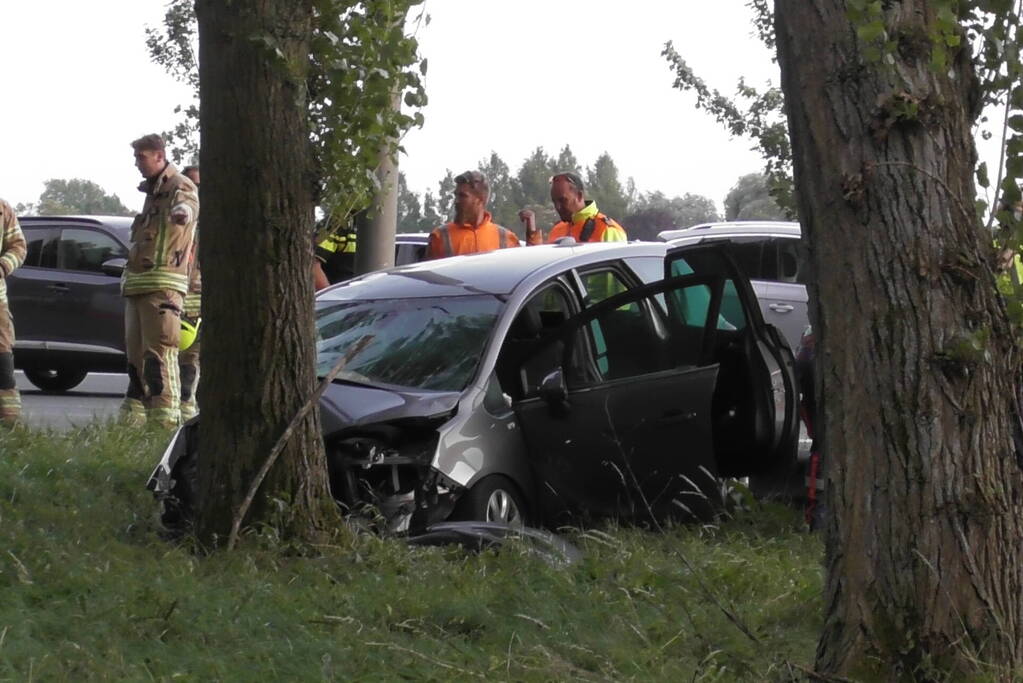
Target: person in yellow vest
{"x":188,"y":354}
{"x":580,"y":217}
{"x":335,"y":258}
{"x":12,"y":255}
{"x":154,"y":286}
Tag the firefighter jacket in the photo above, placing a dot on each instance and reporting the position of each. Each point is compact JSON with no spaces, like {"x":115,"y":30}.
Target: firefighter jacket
{"x":161,"y":249}
{"x":12,"y":245}
{"x":588,"y":225}
{"x":454,"y":238}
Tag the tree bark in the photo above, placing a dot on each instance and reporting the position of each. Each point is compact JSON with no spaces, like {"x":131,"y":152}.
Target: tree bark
{"x":256,"y":250}
{"x":917,"y":366}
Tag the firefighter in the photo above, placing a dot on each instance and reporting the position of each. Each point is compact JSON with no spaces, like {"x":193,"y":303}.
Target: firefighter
{"x":12,"y":254}
{"x":472,"y":230}
{"x":580,"y":217}
{"x":188,"y":343}
{"x":154,"y":285}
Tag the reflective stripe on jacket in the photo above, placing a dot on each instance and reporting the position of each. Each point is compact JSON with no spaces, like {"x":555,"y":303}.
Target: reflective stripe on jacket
{"x":336,"y":243}
{"x":454,"y":239}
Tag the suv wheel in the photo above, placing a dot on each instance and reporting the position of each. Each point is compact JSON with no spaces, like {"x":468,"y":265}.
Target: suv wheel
{"x":56,"y":381}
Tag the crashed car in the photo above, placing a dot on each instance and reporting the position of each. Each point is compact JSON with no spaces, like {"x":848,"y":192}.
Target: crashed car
{"x":544,"y":385}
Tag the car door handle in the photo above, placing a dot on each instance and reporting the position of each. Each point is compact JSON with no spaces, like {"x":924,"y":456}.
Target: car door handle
{"x":781,"y":308}
{"x":59,"y":287}
{"x":675,"y":416}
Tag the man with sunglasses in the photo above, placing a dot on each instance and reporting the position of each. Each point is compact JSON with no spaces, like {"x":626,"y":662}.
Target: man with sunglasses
{"x":472,"y":230}
{"x":580,"y":217}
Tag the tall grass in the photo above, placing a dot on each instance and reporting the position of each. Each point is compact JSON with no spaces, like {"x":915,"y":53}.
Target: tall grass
{"x":88,"y":590}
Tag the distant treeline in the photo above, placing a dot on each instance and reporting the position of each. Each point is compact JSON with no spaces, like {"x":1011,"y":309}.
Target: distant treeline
{"x":643,"y":214}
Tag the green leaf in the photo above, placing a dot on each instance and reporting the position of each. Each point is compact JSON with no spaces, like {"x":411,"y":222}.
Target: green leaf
{"x":871,"y":32}
{"x":1016,"y":123}
{"x":982,"y":178}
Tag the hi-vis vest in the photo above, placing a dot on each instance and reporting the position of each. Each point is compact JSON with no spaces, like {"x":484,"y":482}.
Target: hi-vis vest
{"x":336,"y":243}
{"x":454,"y":239}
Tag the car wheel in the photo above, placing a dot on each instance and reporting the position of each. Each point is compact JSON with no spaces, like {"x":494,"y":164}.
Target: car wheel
{"x":493,"y":499}
{"x":56,"y":381}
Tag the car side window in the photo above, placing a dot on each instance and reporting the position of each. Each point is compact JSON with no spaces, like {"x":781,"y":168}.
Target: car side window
{"x":692,"y":303}
{"x":86,"y":250}
{"x":521,"y":374}
{"x":37,"y":238}
{"x":751,"y":259}
{"x":789,"y":261}
{"x":601,"y":284}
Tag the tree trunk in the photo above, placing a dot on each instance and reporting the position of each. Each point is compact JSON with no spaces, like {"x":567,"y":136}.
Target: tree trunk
{"x":256,"y":250}
{"x":916,"y":363}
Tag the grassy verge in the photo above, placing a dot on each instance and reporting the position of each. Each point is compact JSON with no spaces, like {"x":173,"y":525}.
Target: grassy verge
{"x":88,"y":590}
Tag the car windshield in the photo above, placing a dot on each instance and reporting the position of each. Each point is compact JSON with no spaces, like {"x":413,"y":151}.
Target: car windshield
{"x":428,"y":343}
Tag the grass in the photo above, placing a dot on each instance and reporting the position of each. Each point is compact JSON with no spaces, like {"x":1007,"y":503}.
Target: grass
{"x":88,"y":590}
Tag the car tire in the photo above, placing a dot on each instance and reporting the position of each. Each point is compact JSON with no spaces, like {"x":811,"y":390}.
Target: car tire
{"x":56,"y":381}
{"x":495,"y":498}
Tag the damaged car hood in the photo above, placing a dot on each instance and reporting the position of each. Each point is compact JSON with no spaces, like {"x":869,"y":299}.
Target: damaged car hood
{"x":345,"y":404}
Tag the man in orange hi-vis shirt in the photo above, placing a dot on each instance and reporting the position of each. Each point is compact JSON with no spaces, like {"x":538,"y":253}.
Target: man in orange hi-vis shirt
{"x":472,"y":230}
{"x":580,"y":218}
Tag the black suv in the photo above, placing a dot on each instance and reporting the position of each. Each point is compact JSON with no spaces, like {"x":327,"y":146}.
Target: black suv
{"x":66,"y":299}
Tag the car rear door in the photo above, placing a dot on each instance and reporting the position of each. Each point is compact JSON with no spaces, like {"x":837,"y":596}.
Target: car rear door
{"x":89,"y":300}
{"x":631,"y":435}
{"x":758,"y":368}
{"x":31,"y":288}
{"x":781,"y":289}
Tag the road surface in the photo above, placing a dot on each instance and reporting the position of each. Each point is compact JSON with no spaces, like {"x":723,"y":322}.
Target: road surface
{"x":98,"y":397}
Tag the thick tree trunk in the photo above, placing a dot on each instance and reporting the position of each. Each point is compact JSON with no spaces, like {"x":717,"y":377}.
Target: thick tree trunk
{"x":258,"y":362}
{"x":916,"y":362}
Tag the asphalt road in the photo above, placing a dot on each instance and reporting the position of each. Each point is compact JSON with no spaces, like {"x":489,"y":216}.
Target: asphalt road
{"x":99,"y":396}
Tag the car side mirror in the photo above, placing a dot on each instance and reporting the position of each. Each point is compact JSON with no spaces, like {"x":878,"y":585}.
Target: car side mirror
{"x":114,"y":267}
{"x":554,"y":392}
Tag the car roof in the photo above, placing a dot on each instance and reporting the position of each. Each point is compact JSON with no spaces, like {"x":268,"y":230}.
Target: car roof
{"x":733,"y":229}
{"x":119,"y":225}
{"x":496,"y":272}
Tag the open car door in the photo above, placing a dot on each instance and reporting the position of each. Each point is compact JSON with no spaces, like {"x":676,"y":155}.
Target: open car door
{"x":756,"y":413}
{"x":620,"y":424}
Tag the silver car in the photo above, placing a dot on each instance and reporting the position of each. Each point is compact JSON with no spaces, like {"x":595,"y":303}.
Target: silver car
{"x":541,"y":385}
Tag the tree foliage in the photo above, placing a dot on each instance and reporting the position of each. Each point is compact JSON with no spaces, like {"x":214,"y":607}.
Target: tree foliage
{"x":753,"y":113}
{"x":750,"y":199}
{"x":654,"y":212}
{"x":642,"y":215}
{"x":62,"y":197}
{"x":360,"y":60}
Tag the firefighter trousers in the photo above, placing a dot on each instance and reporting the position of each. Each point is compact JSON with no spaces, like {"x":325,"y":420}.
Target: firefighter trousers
{"x":10,"y":399}
{"x":152,"y":325}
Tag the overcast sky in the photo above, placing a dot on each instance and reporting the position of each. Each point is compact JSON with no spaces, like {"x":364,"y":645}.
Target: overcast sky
{"x":504,"y":75}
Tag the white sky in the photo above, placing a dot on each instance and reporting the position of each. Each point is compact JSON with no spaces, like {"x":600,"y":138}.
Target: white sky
{"x":504,"y":75}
